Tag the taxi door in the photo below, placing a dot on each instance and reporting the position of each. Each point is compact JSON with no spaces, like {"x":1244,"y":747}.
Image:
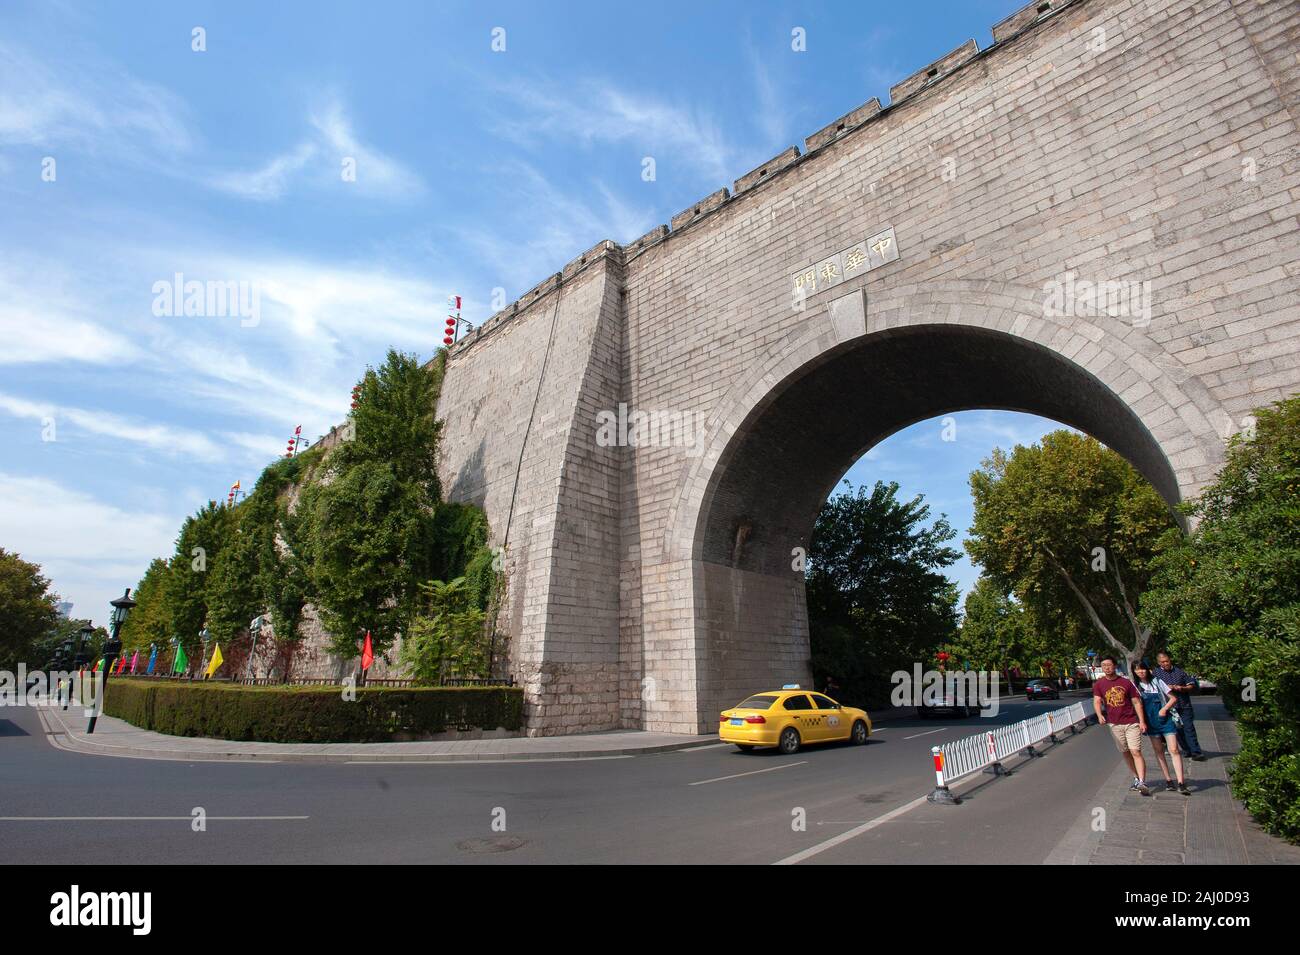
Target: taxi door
{"x":807,"y":719}
{"x":833,"y":724}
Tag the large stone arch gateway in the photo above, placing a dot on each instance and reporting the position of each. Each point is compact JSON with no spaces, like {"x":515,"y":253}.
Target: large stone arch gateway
{"x":1095,"y":219}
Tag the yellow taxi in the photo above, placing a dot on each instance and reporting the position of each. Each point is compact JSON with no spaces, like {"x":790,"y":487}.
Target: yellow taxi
{"x":789,"y":717}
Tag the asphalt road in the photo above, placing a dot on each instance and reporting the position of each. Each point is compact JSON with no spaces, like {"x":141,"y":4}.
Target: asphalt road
{"x":710,"y":804}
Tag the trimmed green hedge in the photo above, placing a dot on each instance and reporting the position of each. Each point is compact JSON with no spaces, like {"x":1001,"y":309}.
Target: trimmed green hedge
{"x":310,"y":714}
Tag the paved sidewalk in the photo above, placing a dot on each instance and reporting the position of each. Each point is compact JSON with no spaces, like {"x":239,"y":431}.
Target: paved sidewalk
{"x":114,"y":737}
{"x":1208,"y":827}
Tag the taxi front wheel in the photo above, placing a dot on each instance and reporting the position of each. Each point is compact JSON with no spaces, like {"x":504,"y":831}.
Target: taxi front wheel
{"x":789,"y":742}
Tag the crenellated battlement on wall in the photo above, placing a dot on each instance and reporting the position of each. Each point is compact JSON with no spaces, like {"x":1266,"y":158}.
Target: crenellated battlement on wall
{"x":928,"y":76}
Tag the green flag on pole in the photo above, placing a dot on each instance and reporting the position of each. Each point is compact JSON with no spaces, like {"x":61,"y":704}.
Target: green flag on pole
{"x":182,"y":661}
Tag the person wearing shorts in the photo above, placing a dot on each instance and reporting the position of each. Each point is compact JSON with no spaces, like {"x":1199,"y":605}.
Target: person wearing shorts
{"x":1162,"y":726}
{"x":1119,"y":705}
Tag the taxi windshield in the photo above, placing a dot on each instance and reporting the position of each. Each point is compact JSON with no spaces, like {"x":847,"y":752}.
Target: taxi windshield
{"x":757,"y":703}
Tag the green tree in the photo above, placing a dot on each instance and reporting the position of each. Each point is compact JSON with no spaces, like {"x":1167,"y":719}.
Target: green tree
{"x":447,"y":638}
{"x":68,"y":629}
{"x":28,"y":611}
{"x":189,"y":583}
{"x":1227,"y":598}
{"x":996,"y":632}
{"x":1070,"y":528}
{"x":353,"y":531}
{"x":366,"y":530}
{"x":256,"y":570}
{"x":150,"y":622}
{"x":877,"y":600}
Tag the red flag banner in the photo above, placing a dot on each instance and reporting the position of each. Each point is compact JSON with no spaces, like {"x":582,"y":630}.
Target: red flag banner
{"x":367,"y":653}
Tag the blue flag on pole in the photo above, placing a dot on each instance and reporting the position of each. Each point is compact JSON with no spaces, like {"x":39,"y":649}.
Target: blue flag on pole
{"x":153,"y":658}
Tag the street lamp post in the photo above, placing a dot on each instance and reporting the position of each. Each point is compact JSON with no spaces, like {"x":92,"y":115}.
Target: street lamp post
{"x":203,"y":660}
{"x":254,"y":628}
{"x":84,"y":636}
{"x":112,"y":647}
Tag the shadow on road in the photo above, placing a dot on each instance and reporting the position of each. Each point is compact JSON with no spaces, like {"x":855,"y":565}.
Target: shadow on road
{"x":10,"y":728}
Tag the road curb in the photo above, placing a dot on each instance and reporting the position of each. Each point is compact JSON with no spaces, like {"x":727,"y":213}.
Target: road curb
{"x":63,"y":739}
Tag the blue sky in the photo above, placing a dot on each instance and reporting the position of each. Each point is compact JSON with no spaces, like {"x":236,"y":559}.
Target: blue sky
{"x":475,"y":171}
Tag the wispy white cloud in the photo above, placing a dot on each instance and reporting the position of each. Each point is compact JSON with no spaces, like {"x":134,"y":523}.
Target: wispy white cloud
{"x":90,"y":549}
{"x":320,"y":322}
{"x":271,"y":180}
{"x":377,"y":173}
{"x":260,"y":447}
{"x":594,"y":111}
{"x":95,"y":105}
{"x":317,"y":160}
{"x":986,"y":429}
{"x":881,"y":65}
{"x":157,"y":437}
{"x":40,"y":322}
{"x":87,"y":103}
{"x":40,"y":336}
{"x":553,"y":225}
{"x":770,"y":113}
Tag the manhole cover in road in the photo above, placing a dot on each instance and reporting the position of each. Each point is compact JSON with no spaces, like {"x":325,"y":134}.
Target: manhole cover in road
{"x":494,"y":844}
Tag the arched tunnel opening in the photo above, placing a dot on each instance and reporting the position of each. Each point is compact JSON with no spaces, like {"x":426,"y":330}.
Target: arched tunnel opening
{"x":786,"y":458}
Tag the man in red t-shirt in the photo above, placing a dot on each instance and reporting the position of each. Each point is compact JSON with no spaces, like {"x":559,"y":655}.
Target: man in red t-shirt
{"x":1123,"y":714}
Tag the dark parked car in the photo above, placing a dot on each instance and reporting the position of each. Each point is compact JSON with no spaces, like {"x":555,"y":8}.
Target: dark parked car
{"x":1041,"y":690}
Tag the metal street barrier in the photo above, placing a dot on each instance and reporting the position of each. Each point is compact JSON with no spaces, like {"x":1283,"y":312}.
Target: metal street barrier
{"x":986,"y":750}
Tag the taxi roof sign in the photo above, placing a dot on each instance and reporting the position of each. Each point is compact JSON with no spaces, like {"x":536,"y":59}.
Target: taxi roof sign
{"x":791,"y":686}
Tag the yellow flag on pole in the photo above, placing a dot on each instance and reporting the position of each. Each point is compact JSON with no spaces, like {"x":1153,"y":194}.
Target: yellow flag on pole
{"x":216,"y":660}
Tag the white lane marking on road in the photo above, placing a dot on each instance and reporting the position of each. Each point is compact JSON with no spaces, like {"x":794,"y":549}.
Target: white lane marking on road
{"x":846,"y":836}
{"x":866,"y":826}
{"x":480,"y":762}
{"x":755,"y":772}
{"x":148,"y":818}
{"x":927,"y":733}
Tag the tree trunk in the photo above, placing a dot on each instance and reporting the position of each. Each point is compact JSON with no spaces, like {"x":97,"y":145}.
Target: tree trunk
{"x":1090,"y":610}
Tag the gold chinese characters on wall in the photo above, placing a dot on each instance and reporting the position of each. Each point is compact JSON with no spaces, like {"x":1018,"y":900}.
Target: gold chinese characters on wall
{"x":871,"y":253}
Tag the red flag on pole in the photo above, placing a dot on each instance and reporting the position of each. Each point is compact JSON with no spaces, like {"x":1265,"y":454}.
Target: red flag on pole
{"x":367,"y":653}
